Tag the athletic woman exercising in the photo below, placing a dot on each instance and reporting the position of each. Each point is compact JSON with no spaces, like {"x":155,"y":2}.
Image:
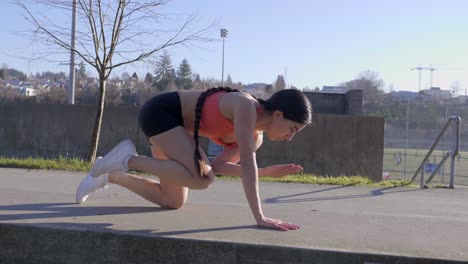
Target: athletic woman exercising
{"x":173,"y":123}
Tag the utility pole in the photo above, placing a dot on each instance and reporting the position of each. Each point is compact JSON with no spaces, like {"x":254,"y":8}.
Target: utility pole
{"x":71,"y":84}
{"x":224,"y":33}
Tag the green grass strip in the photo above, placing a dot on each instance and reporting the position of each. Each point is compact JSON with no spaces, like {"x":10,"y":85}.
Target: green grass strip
{"x":75,"y":164}
{"x":61,"y":163}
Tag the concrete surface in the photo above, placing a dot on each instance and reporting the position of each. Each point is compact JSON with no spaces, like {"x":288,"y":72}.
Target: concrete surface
{"x":40,"y":223}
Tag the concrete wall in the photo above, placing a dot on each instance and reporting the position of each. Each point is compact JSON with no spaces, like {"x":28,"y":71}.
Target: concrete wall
{"x":52,"y":130}
{"x":55,"y":244}
{"x":333,"y":145}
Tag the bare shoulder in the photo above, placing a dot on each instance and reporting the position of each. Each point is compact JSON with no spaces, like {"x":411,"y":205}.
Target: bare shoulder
{"x":231,"y":102}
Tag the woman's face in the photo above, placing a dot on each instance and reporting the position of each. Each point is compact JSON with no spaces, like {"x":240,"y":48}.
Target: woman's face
{"x":282,"y":129}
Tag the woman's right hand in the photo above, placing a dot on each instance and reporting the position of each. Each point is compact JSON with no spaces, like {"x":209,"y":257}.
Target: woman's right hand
{"x":277,"y":171}
{"x":276,"y":224}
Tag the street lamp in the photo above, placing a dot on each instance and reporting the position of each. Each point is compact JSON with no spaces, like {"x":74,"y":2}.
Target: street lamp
{"x":71,"y":84}
{"x":224,"y":33}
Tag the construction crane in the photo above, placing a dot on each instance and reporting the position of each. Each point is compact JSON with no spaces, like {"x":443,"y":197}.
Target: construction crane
{"x":430,"y":68}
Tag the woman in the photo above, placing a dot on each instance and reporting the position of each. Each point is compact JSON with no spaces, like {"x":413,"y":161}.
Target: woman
{"x":231,"y":118}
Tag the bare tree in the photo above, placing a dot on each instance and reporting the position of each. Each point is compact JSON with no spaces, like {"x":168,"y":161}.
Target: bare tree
{"x":110,"y":34}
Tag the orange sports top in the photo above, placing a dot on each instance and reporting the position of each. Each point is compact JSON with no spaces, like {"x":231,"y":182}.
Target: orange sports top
{"x":213,"y":124}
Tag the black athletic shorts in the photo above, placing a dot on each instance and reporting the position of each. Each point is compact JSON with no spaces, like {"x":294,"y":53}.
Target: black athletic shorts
{"x":160,"y":114}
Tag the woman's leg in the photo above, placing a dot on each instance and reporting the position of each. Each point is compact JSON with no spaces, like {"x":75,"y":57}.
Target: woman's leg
{"x":164,"y":194}
{"x":179,"y":169}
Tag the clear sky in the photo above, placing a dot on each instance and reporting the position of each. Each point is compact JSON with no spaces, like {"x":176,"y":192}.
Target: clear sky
{"x":312,"y":42}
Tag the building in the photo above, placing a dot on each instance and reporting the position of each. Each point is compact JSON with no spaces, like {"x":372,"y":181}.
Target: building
{"x":334,"y":89}
{"x":437,"y":94}
{"x":21,"y":87}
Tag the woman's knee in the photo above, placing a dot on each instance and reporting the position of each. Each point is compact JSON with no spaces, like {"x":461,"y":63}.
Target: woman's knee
{"x":173,"y":203}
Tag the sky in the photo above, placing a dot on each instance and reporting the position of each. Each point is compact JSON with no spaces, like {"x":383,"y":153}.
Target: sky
{"x":311,"y":42}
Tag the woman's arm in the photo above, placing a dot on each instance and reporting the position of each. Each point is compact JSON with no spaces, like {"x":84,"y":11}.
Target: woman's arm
{"x":244,"y":119}
{"x":226,"y":163}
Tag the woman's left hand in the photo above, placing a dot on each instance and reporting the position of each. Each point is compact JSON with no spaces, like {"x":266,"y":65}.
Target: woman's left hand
{"x":277,"y":171}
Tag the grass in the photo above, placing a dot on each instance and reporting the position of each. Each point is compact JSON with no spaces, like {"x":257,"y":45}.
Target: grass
{"x":414,"y":159}
{"x":75,"y":164}
{"x":62,"y":163}
{"x":341,"y":180}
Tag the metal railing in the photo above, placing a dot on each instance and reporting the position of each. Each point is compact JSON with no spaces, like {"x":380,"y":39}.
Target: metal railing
{"x":452,"y":153}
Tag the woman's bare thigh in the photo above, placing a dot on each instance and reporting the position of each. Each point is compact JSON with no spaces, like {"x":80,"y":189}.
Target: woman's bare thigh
{"x":174,"y":193}
{"x":177,"y":144}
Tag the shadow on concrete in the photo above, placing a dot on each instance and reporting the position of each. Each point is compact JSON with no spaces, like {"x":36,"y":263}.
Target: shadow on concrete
{"x":56,"y":210}
{"x":107,"y":228}
{"x":207,"y":230}
{"x":94,"y":227}
{"x":373,"y":193}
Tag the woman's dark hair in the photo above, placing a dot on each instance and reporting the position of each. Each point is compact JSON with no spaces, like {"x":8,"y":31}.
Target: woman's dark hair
{"x":291,"y":102}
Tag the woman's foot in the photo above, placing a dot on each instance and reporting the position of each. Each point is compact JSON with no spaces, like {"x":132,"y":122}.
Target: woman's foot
{"x":90,"y":185}
{"x":115,"y":160}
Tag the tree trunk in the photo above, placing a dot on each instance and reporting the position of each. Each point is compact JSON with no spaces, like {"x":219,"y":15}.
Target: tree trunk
{"x":98,"y":121}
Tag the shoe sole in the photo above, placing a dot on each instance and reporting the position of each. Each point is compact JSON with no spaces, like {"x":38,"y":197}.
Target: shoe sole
{"x":77,"y":189}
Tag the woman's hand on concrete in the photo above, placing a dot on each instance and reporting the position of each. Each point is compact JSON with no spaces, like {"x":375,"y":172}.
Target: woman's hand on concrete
{"x":276,"y":224}
{"x":277,"y":171}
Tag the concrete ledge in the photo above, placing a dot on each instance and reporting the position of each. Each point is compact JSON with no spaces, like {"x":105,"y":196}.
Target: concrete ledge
{"x":41,"y":223}
{"x":52,"y":244}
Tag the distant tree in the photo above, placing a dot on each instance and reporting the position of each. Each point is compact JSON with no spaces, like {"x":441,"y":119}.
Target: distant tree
{"x":4,"y":72}
{"x":184,"y":76}
{"x":129,"y":96}
{"x":149,"y":78}
{"x":373,"y":77}
{"x":81,"y":73}
{"x":164,"y":72}
{"x":279,"y":84}
{"x":125,"y":76}
{"x":209,"y":83}
{"x":197,"y":82}
{"x":228,"y":81}
{"x":10,"y":74}
{"x":135,"y":76}
{"x":113,"y":95}
{"x":52,"y":95}
{"x":171,"y":86}
{"x":371,"y":85}
{"x":237,"y":85}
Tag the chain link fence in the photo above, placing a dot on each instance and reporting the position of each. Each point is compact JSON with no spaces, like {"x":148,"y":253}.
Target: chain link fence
{"x":409,"y":136}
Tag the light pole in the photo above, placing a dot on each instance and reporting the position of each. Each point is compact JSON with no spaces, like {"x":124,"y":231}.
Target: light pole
{"x":71,"y":84}
{"x":224,"y":33}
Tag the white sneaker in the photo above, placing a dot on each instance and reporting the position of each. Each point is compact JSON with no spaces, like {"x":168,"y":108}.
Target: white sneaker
{"x":90,"y":185}
{"x":115,"y":160}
